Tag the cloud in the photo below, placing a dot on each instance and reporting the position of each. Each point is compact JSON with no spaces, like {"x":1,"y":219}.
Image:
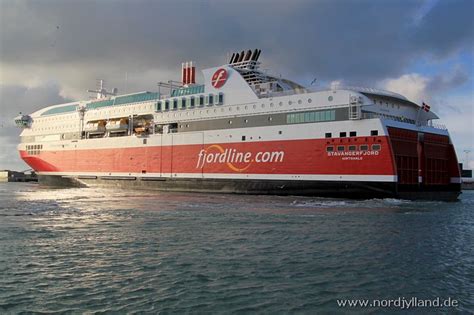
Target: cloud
{"x":358,"y":41}
{"x":418,"y":88}
{"x":442,"y":82}
{"x":412,"y":86}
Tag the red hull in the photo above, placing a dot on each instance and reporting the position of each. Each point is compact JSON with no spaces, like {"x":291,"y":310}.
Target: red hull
{"x":271,"y":157}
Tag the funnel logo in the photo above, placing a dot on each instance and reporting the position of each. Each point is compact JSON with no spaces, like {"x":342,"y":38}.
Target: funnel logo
{"x":218,"y":78}
{"x":231,"y":157}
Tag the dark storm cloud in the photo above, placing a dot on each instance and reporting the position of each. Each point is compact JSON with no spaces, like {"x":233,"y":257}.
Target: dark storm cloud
{"x":447,"y":27}
{"x":15,"y":99}
{"x":355,"y":40}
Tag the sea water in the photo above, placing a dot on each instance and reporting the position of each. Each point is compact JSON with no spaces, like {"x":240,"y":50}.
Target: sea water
{"x":124,"y":251}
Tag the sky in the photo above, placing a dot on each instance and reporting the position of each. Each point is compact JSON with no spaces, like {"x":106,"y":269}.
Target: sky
{"x":53,"y":51}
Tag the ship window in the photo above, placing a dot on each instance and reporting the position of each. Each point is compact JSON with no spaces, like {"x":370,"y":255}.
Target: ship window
{"x":352,"y":148}
{"x":191,"y":104}
{"x":376,"y":147}
{"x":159,"y":129}
{"x":353,"y":134}
{"x":167,"y":105}
{"x":328,"y":115}
{"x":183,"y":103}
{"x":309,"y":100}
{"x":340,"y":148}
{"x":364,"y":147}
{"x":328,"y":135}
{"x":175,"y":104}
{"x":281,"y":103}
{"x":299,"y":102}
{"x":173,"y":128}
{"x":211,"y":99}
{"x":221,"y":99}
{"x":374,"y":132}
{"x":230,"y":122}
{"x":243,"y":138}
{"x":280,"y":132}
{"x":330,"y":149}
{"x":158,"y":106}
{"x":246,"y":121}
{"x":270,"y":118}
{"x":201,"y":100}
{"x":289,"y":102}
{"x":342,"y":134}
{"x":144,"y":141}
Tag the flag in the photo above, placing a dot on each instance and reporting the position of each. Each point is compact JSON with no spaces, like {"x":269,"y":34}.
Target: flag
{"x":426,"y":107}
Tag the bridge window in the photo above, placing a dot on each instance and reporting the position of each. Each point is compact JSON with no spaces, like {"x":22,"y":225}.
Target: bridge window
{"x":374,"y":132}
{"x":191,"y":104}
{"x":221,"y":99}
{"x":183,"y":103}
{"x":342,"y":135}
{"x":211,"y":99}
{"x":158,"y":106}
{"x":175,"y":104}
{"x":201,"y":100}
{"x":167,"y":105}
{"x":328,"y":135}
{"x":353,"y":134}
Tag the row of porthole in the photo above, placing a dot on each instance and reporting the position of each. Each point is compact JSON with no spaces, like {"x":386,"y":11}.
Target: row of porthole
{"x":270,"y":118}
{"x":151,"y":107}
{"x":56,"y":127}
{"x":45,"y":119}
{"x":363,"y":147}
{"x":194,"y":112}
{"x":229,"y":109}
{"x":124,"y":110}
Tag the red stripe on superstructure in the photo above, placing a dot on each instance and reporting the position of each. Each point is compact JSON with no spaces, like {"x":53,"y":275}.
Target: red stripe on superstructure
{"x":300,"y":157}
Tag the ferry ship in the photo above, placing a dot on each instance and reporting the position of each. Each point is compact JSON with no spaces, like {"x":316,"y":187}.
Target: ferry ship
{"x":244,"y":130}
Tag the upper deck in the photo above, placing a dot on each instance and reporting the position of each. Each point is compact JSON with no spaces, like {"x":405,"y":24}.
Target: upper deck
{"x":234,"y":90}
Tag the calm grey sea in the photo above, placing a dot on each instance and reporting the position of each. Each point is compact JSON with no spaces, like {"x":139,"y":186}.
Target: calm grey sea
{"x":116,"y":251}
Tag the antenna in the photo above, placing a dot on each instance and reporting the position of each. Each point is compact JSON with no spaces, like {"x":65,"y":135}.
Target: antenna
{"x":101,"y":91}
